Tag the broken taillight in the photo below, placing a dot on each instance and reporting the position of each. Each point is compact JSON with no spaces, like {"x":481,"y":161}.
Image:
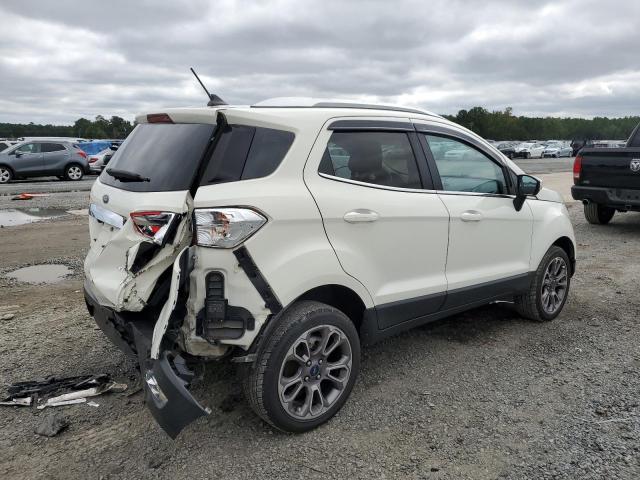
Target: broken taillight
{"x":154,"y":225}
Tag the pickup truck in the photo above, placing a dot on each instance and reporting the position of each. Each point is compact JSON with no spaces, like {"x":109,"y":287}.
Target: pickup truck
{"x":607,"y":180}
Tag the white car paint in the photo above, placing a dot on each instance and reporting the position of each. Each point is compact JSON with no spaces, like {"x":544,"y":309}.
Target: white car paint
{"x":534,"y":150}
{"x":418,"y":244}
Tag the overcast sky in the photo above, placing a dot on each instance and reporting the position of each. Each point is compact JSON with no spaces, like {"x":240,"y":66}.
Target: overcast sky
{"x":63,"y":59}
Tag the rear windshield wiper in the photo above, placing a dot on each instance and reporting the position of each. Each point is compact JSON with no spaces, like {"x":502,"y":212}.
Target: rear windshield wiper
{"x":125,"y":176}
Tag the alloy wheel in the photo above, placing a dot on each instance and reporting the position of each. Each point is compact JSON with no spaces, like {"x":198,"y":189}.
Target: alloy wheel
{"x":5,"y":175}
{"x":315,"y":372}
{"x":554,"y":285}
{"x":74,"y":173}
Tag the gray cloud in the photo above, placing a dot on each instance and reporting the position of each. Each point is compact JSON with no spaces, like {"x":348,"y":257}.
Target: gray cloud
{"x":65,"y":59}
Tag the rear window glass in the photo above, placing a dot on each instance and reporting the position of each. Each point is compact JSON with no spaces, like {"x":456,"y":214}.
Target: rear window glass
{"x":245,"y":152}
{"x":167,"y":154}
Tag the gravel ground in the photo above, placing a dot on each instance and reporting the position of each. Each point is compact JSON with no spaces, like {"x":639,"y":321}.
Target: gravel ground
{"x":480,"y":395}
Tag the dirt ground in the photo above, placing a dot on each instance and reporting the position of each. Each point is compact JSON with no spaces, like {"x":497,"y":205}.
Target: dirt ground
{"x":480,"y":395}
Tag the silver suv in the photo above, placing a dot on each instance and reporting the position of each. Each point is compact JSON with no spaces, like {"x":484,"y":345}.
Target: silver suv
{"x":43,"y":158}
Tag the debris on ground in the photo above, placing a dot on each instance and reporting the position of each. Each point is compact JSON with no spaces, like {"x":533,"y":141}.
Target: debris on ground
{"x":52,"y":425}
{"x":29,"y":196}
{"x":8,"y":312}
{"x":55,"y":392}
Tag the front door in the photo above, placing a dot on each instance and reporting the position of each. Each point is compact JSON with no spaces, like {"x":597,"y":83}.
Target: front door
{"x":489,"y":240}
{"x":387,"y":230}
{"x":28,"y":159}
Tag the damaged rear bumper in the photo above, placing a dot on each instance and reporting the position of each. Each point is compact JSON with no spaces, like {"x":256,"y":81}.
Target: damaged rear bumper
{"x":165,"y":381}
{"x":165,"y":375}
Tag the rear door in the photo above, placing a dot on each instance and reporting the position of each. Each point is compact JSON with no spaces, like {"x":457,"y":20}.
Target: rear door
{"x":489,"y":241}
{"x":139,"y":214}
{"x":386,"y":225}
{"x":55,"y":157}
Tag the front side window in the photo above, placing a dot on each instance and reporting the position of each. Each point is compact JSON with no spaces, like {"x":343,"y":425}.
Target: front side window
{"x":463,"y":168}
{"x":381,"y":158}
{"x":28,"y":148}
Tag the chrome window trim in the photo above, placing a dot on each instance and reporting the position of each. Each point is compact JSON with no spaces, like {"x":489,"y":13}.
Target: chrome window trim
{"x":374,"y":185}
{"x":106,"y":216}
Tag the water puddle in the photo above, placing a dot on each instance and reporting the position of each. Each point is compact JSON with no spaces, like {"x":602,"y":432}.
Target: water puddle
{"x":41,"y":274}
{"x":13,"y":217}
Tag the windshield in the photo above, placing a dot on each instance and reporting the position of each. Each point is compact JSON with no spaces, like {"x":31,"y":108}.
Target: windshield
{"x":167,"y":154}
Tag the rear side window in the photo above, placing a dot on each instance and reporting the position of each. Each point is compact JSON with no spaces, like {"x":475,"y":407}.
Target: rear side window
{"x":381,"y":158}
{"x":3,"y":146}
{"x":52,"y":147}
{"x":244,"y":152}
{"x":167,"y":154}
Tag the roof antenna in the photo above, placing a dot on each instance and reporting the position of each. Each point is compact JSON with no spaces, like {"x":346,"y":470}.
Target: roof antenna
{"x":214,"y":100}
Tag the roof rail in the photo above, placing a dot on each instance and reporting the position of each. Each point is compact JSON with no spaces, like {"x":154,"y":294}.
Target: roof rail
{"x":305,"y":102}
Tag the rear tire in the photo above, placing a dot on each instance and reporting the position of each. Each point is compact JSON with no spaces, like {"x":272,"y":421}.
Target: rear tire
{"x":73,"y":172}
{"x":294,"y":384}
{"x":549,"y":289}
{"x":6,"y":174}
{"x":597,"y":214}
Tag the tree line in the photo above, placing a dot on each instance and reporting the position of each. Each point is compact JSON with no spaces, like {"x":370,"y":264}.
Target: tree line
{"x":101,"y":127}
{"x":495,"y":125}
{"x":503,"y":125}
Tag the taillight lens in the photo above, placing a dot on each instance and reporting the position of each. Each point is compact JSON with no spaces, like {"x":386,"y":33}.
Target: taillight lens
{"x":159,"y":118}
{"x":226,"y":227}
{"x":577,"y":169}
{"x":153,"y":225}
{"x":82,"y":153}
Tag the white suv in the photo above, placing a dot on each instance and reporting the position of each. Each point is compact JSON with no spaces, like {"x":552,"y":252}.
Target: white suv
{"x":283,"y":237}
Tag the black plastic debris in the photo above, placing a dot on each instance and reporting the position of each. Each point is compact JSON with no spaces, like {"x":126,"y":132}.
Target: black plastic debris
{"x":54,"y":391}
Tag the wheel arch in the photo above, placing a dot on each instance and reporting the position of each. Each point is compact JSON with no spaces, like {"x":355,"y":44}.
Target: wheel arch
{"x":6,"y":165}
{"x":338,"y":296}
{"x":567,"y":245}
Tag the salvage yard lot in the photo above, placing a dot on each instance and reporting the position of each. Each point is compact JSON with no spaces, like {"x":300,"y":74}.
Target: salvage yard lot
{"x":484,"y":394}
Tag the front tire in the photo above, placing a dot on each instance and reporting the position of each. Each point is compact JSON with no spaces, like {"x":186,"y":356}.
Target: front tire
{"x":549,"y":289}
{"x":6,"y":175}
{"x":597,"y":214}
{"x":306,"y":368}
{"x":73,"y":172}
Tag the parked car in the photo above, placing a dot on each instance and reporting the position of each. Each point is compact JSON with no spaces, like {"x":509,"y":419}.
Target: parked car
{"x":43,"y":158}
{"x":607,"y":180}
{"x":557,"y":150}
{"x":529,"y":150}
{"x":97,"y":150}
{"x":507,"y":148}
{"x":56,"y":139}
{"x":283,"y":238}
{"x":4,"y":144}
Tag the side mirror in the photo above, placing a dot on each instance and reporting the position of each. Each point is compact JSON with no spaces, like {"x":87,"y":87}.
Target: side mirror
{"x":526,"y":186}
{"x":18,"y":154}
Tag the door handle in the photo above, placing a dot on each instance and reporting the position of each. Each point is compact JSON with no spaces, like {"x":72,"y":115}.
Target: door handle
{"x":360,"y":215}
{"x":471,"y":216}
